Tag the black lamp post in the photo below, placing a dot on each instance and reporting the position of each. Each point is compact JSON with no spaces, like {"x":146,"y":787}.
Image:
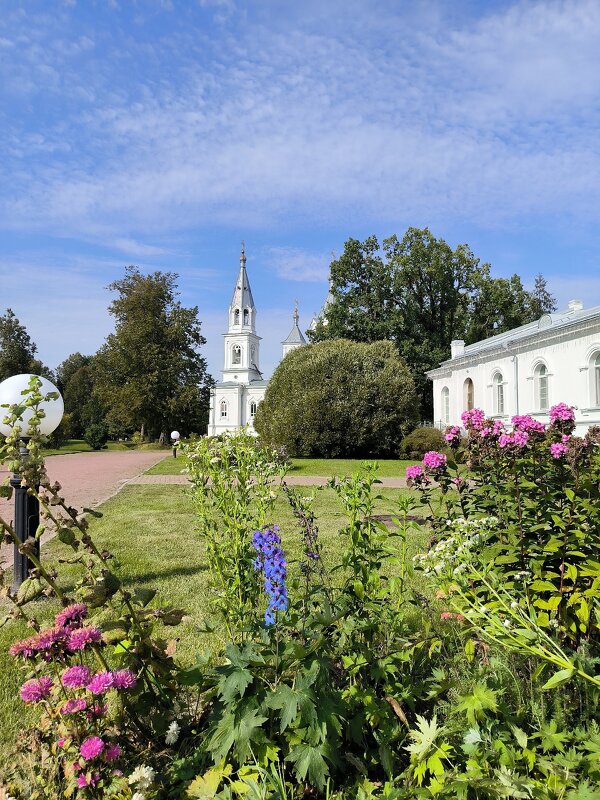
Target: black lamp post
{"x":175,"y":436}
{"x":27,"y":507}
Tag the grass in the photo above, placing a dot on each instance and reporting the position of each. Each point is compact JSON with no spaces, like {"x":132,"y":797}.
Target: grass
{"x":150,"y":529}
{"x":388,"y":468}
{"x":79,"y":446}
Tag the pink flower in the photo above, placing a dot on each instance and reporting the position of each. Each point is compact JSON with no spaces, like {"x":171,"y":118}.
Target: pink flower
{"x":36,"y":689}
{"x":527,"y":423}
{"x":112,"y":751}
{"x":82,"y":781}
{"x":76,"y":677}
{"x":26,"y":648}
{"x":71,"y":615}
{"x":452,"y":435}
{"x":520,"y":438}
{"x":414,"y":472}
{"x":100,"y":683}
{"x":73,"y":706}
{"x":562,"y":413}
{"x":91,"y":747}
{"x":97,"y":710}
{"x":125,"y":678}
{"x":558,"y":450}
{"x":473,"y":419}
{"x":80,"y":638}
{"x":434,"y":460}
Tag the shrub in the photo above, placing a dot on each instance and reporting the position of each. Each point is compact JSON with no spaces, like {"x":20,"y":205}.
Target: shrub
{"x":339,"y":398}
{"x":421,"y":441}
{"x":96,"y":435}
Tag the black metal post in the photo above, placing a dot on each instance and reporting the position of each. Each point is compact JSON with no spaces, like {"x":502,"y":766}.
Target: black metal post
{"x":174,"y":452}
{"x":26,"y":522}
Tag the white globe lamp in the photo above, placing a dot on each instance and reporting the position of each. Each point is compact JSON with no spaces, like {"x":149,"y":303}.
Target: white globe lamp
{"x":175,"y":435}
{"x":11,"y":393}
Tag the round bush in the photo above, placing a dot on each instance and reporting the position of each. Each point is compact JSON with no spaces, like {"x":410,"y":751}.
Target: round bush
{"x":339,"y":398}
{"x":420,"y":441}
{"x":96,"y":435}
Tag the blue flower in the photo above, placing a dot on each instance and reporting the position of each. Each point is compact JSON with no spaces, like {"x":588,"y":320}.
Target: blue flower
{"x":271,"y":560}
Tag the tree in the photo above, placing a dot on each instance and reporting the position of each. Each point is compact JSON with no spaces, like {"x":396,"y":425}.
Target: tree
{"x":339,"y":398}
{"x":421,"y":294}
{"x":542,"y":302}
{"x":17,"y":351}
{"x":149,"y":375}
{"x":76,"y":380}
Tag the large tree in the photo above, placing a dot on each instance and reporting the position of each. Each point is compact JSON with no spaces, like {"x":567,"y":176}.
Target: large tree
{"x":76,"y":380}
{"x":421,"y":294}
{"x":339,"y":398}
{"x":149,"y":374}
{"x":17,"y":351}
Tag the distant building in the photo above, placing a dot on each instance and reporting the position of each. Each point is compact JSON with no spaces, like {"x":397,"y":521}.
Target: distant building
{"x":234,"y":400}
{"x":525,"y":371}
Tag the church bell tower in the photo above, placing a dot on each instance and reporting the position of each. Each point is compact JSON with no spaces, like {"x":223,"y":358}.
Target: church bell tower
{"x":241,"y":361}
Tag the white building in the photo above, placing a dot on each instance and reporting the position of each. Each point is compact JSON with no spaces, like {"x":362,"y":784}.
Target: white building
{"x":525,"y":371}
{"x":234,"y":400}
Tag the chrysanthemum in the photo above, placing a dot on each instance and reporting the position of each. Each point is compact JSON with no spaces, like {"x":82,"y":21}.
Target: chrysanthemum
{"x":36,"y":689}
{"x":91,"y":747}
{"x":76,"y":677}
{"x":100,"y":683}
{"x":80,"y":638}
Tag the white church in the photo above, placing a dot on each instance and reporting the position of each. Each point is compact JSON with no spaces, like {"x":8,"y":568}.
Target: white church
{"x":234,"y":400}
{"x":525,"y":371}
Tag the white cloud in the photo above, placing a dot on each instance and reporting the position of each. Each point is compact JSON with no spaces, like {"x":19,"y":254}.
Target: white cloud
{"x":298,"y":265}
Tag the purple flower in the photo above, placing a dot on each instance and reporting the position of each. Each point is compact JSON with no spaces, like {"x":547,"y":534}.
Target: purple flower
{"x":520,"y":438}
{"x":100,"y":683}
{"x":91,"y":747}
{"x":25,"y":648}
{"x":76,"y":677}
{"x":474,"y":418}
{"x":271,"y":560}
{"x":558,"y":450}
{"x":112,"y":751}
{"x":82,"y":780}
{"x":434,"y":460}
{"x":73,"y":706}
{"x":36,"y":689}
{"x":71,"y":615}
{"x":527,"y":423}
{"x":562,"y":413}
{"x":452,"y":435}
{"x":414,"y":472}
{"x":124,"y":679}
{"x":80,"y":638}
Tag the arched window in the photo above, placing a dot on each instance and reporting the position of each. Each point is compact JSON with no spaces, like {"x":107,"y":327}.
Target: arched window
{"x":236,"y":317}
{"x":540,"y":377}
{"x":223,"y":409}
{"x":236,"y":354}
{"x":498,"y":385}
{"x":446,"y":405}
{"x":595,"y":376}
{"x":246,"y":316}
{"x":253,"y":409}
{"x":469,"y":394}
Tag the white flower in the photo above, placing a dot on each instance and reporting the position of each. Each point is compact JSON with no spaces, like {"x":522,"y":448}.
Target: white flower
{"x":172,"y":733}
{"x":143,"y":776}
{"x":137,"y":796}
{"x":506,"y":623}
{"x":514,"y":604}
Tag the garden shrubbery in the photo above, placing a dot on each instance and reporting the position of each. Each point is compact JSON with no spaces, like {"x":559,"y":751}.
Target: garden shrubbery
{"x":420,"y":441}
{"x":359,"y":679}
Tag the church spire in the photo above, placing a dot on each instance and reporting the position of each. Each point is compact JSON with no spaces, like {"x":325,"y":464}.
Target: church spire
{"x":242,"y":311}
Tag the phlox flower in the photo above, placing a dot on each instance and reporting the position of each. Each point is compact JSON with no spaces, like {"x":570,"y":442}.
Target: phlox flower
{"x":474,"y":418}
{"x":558,"y":450}
{"x":91,"y":747}
{"x":433,"y":460}
{"x":526,"y":423}
{"x":452,"y":435}
{"x":561,"y":413}
{"x":36,"y":689}
{"x":414,"y":472}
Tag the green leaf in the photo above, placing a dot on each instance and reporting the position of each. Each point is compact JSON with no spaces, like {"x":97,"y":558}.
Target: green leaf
{"x":143,"y":596}
{"x":309,"y":763}
{"x":284,"y":699}
{"x":205,"y":787}
{"x":475,"y":705}
{"x":520,"y":736}
{"x":66,"y":535}
{"x":560,"y":677}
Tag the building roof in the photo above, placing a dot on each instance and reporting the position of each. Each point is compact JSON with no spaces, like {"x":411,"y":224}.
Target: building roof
{"x":295,"y":336}
{"x":242,"y":294}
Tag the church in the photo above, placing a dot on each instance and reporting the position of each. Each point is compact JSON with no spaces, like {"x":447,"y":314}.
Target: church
{"x":234,"y":400}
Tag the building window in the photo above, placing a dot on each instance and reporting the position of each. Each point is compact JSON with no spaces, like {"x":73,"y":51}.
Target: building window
{"x":253,"y":409}
{"x":446,"y":405}
{"x":223,"y":409}
{"x":469,"y":395}
{"x":540,"y":376}
{"x":498,"y":385}
{"x":236,"y":354}
{"x":595,"y":382}
{"x":246,"y":316}
{"x":236,"y":317}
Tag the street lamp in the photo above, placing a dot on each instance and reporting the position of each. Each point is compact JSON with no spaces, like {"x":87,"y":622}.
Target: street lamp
{"x":175,"y":436}
{"x":27,"y":507}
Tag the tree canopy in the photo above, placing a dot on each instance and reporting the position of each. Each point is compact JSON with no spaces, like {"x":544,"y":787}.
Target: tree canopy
{"x":421,"y":294}
{"x":339,"y":398}
{"x":150,"y":375}
{"x":17,"y":351}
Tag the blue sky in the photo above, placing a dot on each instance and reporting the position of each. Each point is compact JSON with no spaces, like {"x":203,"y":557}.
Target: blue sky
{"x":163,"y":133}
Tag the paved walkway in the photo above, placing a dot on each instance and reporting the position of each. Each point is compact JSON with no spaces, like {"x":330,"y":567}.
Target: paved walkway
{"x":88,"y":479}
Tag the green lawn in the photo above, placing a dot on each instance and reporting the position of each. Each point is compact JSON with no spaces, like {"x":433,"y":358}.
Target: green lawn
{"x":79,"y":446}
{"x":150,"y":529}
{"x":388,"y":468}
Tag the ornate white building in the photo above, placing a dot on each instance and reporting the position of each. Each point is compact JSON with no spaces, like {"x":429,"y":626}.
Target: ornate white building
{"x":525,"y":371}
{"x":234,"y":400}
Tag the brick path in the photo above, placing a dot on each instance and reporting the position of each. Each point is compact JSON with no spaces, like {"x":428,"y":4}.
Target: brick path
{"x":88,"y":479}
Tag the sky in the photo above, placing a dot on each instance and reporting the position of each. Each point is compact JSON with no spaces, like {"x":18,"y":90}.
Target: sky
{"x":162,"y":134}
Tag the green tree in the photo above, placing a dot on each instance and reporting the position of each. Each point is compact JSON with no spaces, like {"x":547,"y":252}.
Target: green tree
{"x":542,"y":302}
{"x":17,"y":351}
{"x":76,"y":380}
{"x":149,"y":375}
{"x":339,"y":398}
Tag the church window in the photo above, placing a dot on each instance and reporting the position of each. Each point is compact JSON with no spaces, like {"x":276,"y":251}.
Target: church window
{"x":223,"y":409}
{"x":236,"y":354}
{"x":236,"y":317}
{"x":469,"y":395}
{"x":253,"y":355}
{"x":498,"y":388}
{"x":246,"y":316}
{"x":540,"y":376}
{"x":446,"y":405}
{"x":253,"y":409}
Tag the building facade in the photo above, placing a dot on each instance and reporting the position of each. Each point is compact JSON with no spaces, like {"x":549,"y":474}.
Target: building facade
{"x":234,"y":400}
{"x":525,"y":371}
